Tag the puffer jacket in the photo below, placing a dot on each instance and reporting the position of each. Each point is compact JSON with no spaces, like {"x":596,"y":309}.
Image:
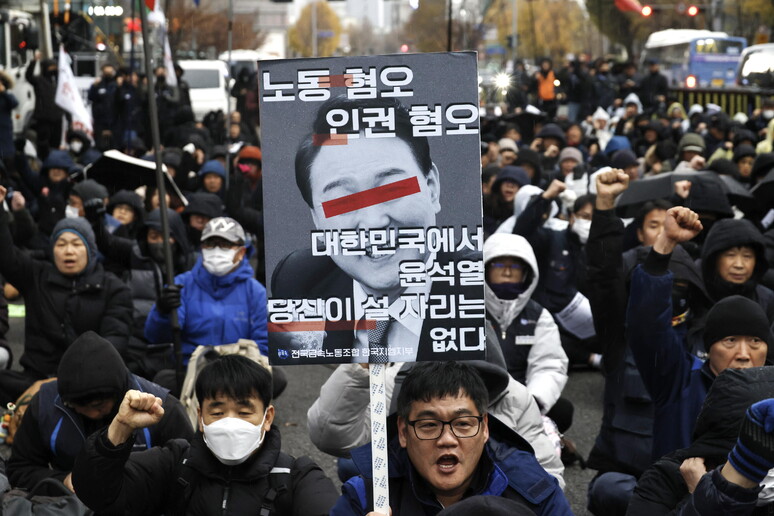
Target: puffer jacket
{"x":339,"y":419}
{"x":215,"y":310}
{"x":527,"y":334}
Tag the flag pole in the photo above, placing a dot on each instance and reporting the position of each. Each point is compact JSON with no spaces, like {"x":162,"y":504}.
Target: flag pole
{"x":161,"y":188}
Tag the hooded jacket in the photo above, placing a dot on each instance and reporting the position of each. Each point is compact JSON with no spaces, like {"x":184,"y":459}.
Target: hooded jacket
{"x":59,"y":307}
{"x":214,"y":310}
{"x":52,"y":433}
{"x":507,"y":468}
{"x":662,"y":488}
{"x":111,"y":482}
{"x":339,"y":419}
{"x":528,"y":335}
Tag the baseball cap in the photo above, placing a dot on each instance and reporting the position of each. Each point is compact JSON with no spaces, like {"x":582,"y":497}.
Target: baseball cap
{"x":226,"y":228}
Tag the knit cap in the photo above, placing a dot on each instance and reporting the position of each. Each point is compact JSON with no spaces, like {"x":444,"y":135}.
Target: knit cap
{"x":736,"y":315}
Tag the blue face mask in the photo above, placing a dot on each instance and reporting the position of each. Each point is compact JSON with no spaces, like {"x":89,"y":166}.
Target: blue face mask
{"x":508,"y":291}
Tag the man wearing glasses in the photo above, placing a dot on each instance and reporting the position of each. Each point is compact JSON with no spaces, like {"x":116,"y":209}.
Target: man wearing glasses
{"x":218,"y":301}
{"x":446,"y":448}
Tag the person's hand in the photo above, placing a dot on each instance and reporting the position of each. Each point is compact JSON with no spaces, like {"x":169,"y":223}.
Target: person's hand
{"x":137,"y":410}
{"x":552,"y":151}
{"x":728,"y":146}
{"x":610,"y":185}
{"x":692,"y":469}
{"x":18,"y":201}
{"x":68,"y":482}
{"x":379,"y":513}
{"x":683,"y":188}
{"x":97,"y":80}
{"x":617,"y":102}
{"x":119,"y":80}
{"x":753,"y":455}
{"x":680,"y":225}
{"x":37,"y":55}
{"x":94,"y":209}
{"x":536,"y":143}
{"x":554,"y":189}
{"x":3,"y":193}
{"x":2,"y":87}
{"x":697,"y":163}
{"x":169,"y":299}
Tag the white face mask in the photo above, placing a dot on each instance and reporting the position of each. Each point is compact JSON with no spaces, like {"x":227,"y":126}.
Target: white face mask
{"x":76,"y":146}
{"x":233,"y":440}
{"x":581,"y":227}
{"x":71,"y":212}
{"x":217,"y":261}
{"x":768,"y":114}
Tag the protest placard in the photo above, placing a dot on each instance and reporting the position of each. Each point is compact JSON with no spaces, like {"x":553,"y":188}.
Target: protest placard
{"x":372,"y":208}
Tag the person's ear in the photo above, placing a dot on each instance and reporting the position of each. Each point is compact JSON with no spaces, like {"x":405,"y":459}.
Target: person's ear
{"x":434,"y":186}
{"x":269,"y":418}
{"x":402,"y":432}
{"x":640,"y":236}
{"x":485,"y":427}
{"x":240,"y":254}
{"x":200,"y":423}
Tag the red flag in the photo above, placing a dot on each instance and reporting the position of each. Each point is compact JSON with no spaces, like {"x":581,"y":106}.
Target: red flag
{"x":621,"y":5}
{"x":152,"y":4}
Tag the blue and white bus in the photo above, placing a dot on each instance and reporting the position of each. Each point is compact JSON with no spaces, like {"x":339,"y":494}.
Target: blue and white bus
{"x":695,"y":58}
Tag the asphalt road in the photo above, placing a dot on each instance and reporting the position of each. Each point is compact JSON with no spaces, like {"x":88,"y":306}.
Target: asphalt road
{"x":584,"y":389}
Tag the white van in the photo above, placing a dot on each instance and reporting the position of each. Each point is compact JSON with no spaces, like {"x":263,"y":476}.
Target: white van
{"x":208,"y":82}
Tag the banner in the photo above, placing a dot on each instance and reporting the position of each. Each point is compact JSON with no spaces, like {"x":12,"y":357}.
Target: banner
{"x":372,"y":208}
{"x":68,"y":97}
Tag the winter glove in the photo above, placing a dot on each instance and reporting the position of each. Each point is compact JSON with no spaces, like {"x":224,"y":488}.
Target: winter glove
{"x":169,"y":299}
{"x":753,"y":455}
{"x":94,"y":209}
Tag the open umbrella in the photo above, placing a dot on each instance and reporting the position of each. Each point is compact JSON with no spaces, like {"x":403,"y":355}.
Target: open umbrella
{"x":764,"y":191}
{"x":661,"y":186}
{"x":118,"y":171}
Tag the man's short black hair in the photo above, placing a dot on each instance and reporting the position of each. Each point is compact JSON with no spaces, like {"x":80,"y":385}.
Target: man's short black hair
{"x":309,"y":148}
{"x":657,"y":204}
{"x":235,"y":377}
{"x":428,"y":380}
{"x":582,"y":201}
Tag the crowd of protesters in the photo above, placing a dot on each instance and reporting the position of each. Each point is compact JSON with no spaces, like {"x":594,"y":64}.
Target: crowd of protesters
{"x":623,"y":233}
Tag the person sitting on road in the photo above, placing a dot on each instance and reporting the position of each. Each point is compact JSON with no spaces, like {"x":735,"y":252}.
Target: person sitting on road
{"x":432,"y":466}
{"x":233,"y":464}
{"x":91,"y":381}
{"x":63,"y":299}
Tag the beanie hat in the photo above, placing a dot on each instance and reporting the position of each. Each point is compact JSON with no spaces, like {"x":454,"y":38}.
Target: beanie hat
{"x":508,"y":144}
{"x":553,"y":131}
{"x":90,"y":189}
{"x":513,"y":174}
{"x":724,"y":167}
{"x":743,"y":151}
{"x":691,"y":142}
{"x":570,"y":153}
{"x":250,"y":152}
{"x":212,"y":167}
{"x":764,"y":163}
{"x":736,"y":315}
{"x":623,"y":158}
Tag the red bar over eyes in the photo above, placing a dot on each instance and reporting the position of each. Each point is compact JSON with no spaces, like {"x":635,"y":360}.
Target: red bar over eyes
{"x":371,"y":197}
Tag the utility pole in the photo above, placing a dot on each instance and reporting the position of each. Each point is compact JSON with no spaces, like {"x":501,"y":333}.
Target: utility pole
{"x":514,"y":31}
{"x":314,"y":28}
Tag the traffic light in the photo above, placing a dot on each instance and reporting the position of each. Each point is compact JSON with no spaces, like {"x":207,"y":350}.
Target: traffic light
{"x":692,"y":10}
{"x":646,"y":10}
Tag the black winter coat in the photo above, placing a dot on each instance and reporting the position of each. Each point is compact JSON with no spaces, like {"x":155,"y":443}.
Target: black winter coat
{"x":59,"y":308}
{"x":110,"y":482}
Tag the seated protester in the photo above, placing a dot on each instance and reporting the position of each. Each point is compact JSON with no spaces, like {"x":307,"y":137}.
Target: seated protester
{"x":666,"y":487}
{"x":508,"y":152}
{"x":232,"y":462}
{"x":339,"y":419}
{"x":744,"y":157}
{"x":126,"y":207}
{"x":499,"y":205}
{"x":202,"y":207}
{"x":218,"y":301}
{"x":690,"y":153}
{"x":548,"y":142}
{"x":736,"y":335}
{"x":526,"y":332}
{"x":562,"y":263}
{"x":433,"y":467}
{"x":62,"y":300}
{"x":51,"y":186}
{"x":529,"y":160}
{"x":91,"y":382}
{"x":244,"y":201}
{"x":90,"y":192}
{"x":212,"y":177}
{"x":80,"y":148}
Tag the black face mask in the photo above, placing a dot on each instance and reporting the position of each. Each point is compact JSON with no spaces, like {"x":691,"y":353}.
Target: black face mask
{"x":156,"y":252}
{"x":508,"y":290}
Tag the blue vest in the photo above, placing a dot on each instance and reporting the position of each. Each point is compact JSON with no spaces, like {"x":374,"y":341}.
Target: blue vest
{"x":61,"y":428}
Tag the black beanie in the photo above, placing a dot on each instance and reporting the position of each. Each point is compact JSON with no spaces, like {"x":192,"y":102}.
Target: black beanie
{"x":736,"y":315}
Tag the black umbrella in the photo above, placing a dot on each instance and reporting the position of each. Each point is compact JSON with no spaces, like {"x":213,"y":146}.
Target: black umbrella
{"x":661,"y":186}
{"x":764,"y":191}
{"x":118,"y":171}
{"x":527,"y":120}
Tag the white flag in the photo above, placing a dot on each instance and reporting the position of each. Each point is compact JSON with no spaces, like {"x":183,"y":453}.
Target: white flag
{"x":69,"y":98}
{"x":156,"y":17}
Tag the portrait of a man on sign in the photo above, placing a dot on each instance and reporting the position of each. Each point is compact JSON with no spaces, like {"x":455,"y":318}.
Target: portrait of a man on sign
{"x":380,"y":279}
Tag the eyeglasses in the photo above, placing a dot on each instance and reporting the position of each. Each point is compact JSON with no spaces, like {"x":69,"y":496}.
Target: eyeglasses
{"x":509,"y":266}
{"x":222,"y":243}
{"x":462,"y":427}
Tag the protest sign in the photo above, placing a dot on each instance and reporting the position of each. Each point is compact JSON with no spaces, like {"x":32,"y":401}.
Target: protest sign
{"x":372,"y":208}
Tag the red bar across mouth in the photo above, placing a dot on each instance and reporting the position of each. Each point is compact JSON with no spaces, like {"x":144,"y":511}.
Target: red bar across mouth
{"x":371,"y":197}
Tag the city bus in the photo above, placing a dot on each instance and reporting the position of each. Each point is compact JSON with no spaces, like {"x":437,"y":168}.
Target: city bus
{"x":695,"y":58}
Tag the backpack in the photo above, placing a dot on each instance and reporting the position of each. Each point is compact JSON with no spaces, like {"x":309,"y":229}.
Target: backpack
{"x":201,"y":356}
{"x":278,"y":499}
